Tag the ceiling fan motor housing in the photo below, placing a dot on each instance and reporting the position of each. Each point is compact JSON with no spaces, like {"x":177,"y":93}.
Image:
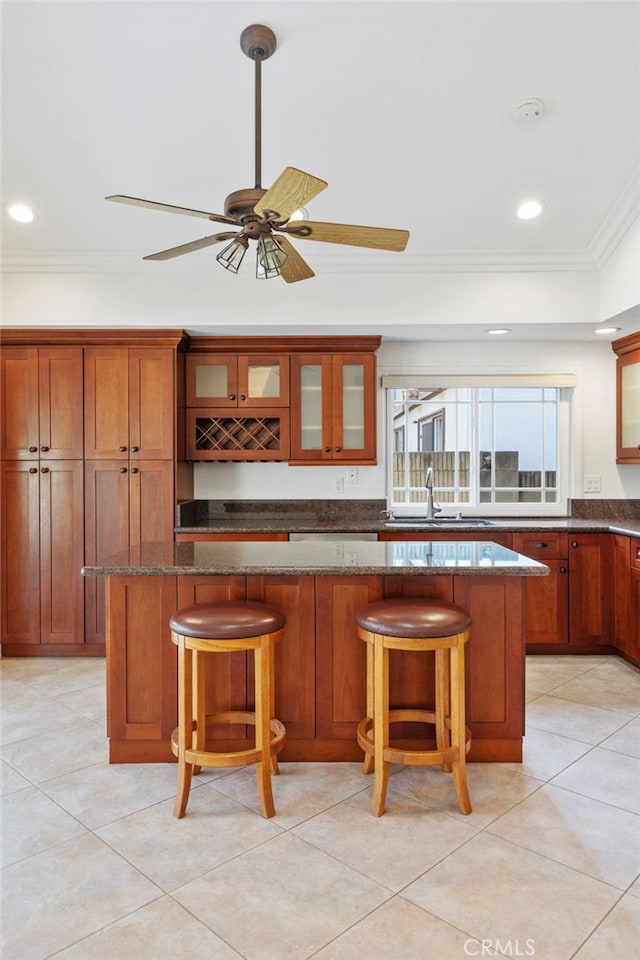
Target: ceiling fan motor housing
{"x":240,"y":203}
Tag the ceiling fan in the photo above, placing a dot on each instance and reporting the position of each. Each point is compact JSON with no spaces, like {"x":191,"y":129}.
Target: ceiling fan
{"x":269,"y":216}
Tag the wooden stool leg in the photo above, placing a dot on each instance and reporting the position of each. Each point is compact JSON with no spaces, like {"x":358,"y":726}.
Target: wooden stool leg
{"x":458,"y":766}
{"x":263,"y":695}
{"x":380,"y":725}
{"x":367,"y":766}
{"x":442,"y":706}
{"x":275,"y":769}
{"x":199,"y":738}
{"x":185,"y":727}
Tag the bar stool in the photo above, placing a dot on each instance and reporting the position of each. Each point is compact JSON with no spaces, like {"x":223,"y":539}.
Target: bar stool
{"x":225,"y":627}
{"x":413,"y":623}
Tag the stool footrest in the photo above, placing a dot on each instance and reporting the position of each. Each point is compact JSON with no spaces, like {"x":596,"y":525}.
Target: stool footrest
{"x":231,"y":758}
{"x":431,"y":758}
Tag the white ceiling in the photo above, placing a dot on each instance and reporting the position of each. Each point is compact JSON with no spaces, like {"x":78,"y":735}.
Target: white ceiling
{"x":405,"y":108}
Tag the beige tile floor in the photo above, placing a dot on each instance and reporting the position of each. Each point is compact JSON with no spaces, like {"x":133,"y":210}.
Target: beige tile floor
{"x":95,"y":867}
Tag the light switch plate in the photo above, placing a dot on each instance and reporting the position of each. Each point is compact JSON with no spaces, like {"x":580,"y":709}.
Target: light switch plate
{"x":591,"y":484}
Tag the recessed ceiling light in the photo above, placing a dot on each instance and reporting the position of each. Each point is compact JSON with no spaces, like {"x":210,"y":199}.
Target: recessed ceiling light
{"x":498,"y":331}
{"x":530,"y":209}
{"x":21,"y":213}
{"x":605,"y":330}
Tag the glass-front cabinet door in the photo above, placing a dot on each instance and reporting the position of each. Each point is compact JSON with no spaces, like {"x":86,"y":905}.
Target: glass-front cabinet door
{"x":333,"y":408}
{"x":627,"y":350}
{"x":222,"y":380}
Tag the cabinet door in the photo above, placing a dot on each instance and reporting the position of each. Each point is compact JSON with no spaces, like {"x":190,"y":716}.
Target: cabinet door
{"x":353,"y":434}
{"x":106,"y":403}
{"x":60,"y":389}
{"x":623,"y":605}
{"x":295,"y":654}
{"x":311,"y":407}
{"x":225,"y":380}
{"x":20,"y":551}
{"x":212,"y":380}
{"x":106,"y":532}
{"x":341,"y":685}
{"x":263,"y":381}
{"x":151,"y":501}
{"x":152,"y":403}
{"x":61,"y":552}
{"x":19,"y":424}
{"x":590,"y":590}
{"x":628,"y":408}
{"x":633,"y":646}
{"x":546,"y":599}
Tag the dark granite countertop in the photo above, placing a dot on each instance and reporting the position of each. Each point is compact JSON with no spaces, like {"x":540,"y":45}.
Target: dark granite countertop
{"x":365,"y":516}
{"x":460,"y":558}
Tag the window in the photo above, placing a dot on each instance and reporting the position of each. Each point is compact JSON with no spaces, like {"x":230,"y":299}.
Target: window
{"x":493,"y":448}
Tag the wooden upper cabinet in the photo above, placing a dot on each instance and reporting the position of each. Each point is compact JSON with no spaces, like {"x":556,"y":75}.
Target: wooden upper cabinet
{"x":130,"y":403}
{"x":42,"y":403}
{"x":333,"y":408}
{"x":225,"y":380}
{"x":627,"y":350}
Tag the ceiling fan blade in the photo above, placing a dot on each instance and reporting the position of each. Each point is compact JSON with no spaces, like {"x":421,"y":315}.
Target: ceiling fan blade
{"x":190,"y":247}
{"x":379,"y":238}
{"x":294,"y":267}
{"x":291,"y":190}
{"x":170,"y":208}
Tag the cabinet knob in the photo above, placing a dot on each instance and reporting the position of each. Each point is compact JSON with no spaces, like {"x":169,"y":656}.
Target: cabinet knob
{"x":33,"y":469}
{"x":123,"y":469}
{"x":541,"y":546}
{"x":44,"y":470}
{"x":574,"y":543}
{"x":563,"y":569}
{"x":232,"y":396}
{"x":243,"y":396}
{"x":134,"y":470}
{"x":122,"y":449}
{"x":338,"y":449}
{"x":33,"y":449}
{"x":327,"y":450}
{"x":44,"y":449}
{"x":134,"y":449}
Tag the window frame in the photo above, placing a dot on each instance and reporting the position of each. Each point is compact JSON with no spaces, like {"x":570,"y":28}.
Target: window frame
{"x":566,"y":398}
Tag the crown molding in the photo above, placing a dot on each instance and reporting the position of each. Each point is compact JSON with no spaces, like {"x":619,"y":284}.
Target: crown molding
{"x":345,"y":262}
{"x":622,"y":214}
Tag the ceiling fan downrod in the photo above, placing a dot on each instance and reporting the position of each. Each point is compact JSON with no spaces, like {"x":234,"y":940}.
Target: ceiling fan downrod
{"x":258,"y":43}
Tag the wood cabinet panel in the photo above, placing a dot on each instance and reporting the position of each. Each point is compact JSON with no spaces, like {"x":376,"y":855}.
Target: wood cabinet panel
{"x":340,"y":655}
{"x":42,"y":403}
{"x":546,"y":598}
{"x":590,"y":590}
{"x":20,"y":551}
{"x":243,"y":380}
{"x":42,"y":552}
{"x":151,"y":501}
{"x":106,"y":403}
{"x":106,"y":532}
{"x":295,"y":654}
{"x":141,"y":654}
{"x":627,"y":350}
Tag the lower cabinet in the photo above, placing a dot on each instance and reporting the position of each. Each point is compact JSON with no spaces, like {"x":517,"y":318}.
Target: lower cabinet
{"x":572,"y":607}
{"x":41,"y":556}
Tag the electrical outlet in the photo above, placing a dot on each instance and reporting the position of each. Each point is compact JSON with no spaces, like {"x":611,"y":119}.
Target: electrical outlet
{"x":338,"y":485}
{"x":352,"y":475}
{"x":591,"y":484}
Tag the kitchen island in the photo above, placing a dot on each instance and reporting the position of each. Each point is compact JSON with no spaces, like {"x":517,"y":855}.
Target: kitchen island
{"x":320,"y":663}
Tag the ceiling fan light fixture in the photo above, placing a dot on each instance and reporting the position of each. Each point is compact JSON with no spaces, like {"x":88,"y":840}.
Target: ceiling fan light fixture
{"x":233,"y":254}
{"x":270,"y":258}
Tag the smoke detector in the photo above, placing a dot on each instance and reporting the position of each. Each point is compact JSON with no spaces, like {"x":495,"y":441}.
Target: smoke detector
{"x":529,"y":112}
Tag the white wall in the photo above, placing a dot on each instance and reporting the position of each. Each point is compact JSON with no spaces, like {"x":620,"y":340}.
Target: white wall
{"x":620,"y":276}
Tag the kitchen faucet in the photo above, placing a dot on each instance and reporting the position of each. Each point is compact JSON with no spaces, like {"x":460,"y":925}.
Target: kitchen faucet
{"x":431,"y":505}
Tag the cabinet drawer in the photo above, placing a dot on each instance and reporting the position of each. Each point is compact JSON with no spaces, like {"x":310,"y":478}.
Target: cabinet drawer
{"x":552,"y":546}
{"x":635,"y":553}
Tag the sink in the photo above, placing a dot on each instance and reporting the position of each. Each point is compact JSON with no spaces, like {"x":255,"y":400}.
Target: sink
{"x":437,"y":521}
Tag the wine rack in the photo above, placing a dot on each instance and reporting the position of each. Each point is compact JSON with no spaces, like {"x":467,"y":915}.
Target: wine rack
{"x":219,"y":435}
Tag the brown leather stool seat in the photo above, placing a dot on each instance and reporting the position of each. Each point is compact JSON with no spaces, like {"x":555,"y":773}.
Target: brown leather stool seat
{"x":415,"y":623}
{"x":226,"y":626}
